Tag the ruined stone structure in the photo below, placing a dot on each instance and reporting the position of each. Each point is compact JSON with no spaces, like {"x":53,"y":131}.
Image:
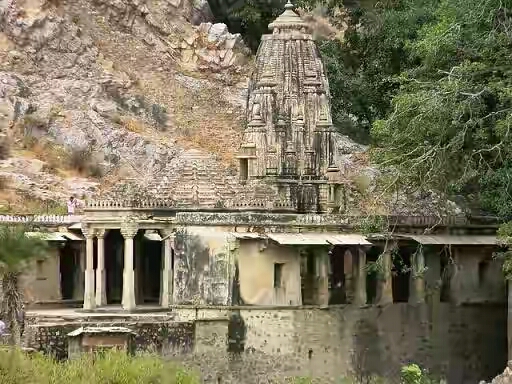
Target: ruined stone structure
{"x":272,"y":248}
{"x":288,"y":139}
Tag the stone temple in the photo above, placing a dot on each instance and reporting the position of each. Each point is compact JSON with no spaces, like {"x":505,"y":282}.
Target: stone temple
{"x":272,"y":244}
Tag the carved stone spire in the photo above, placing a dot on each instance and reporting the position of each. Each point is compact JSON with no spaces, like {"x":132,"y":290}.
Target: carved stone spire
{"x":288,"y":105}
{"x":288,"y":19}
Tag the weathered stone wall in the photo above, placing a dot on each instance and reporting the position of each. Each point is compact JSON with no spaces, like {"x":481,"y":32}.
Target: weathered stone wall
{"x":463,"y":343}
{"x":256,"y":265}
{"x":169,"y":339}
{"x":202,"y":266}
{"x":477,"y":276}
{"x":41,"y":280}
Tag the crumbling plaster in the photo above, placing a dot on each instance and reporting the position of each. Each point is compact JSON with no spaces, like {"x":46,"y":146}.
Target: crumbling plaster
{"x":256,"y":267}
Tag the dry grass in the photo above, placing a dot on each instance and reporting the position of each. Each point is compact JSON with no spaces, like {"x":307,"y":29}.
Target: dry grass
{"x":203,"y":121}
{"x":133,"y":125}
{"x":59,"y":160}
{"x":5,"y":44}
{"x":55,"y":156}
{"x":14,"y":202}
{"x":110,"y":367}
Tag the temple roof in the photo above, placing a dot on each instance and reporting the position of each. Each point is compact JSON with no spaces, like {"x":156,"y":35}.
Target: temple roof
{"x":288,"y":19}
{"x":196,"y":180}
{"x":289,"y":120}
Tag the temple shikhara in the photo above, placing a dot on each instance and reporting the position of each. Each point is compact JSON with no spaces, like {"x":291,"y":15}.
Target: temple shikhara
{"x":274,"y":239}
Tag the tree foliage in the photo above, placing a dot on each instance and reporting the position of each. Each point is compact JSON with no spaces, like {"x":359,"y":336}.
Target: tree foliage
{"x":16,"y":252}
{"x":449,"y":128}
{"x":428,"y":84}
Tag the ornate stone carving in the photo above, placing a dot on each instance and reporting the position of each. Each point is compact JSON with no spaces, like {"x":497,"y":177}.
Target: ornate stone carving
{"x":323,"y":108}
{"x":129,"y":229}
{"x":100,"y":233}
{"x":300,"y":100}
{"x":88,"y":231}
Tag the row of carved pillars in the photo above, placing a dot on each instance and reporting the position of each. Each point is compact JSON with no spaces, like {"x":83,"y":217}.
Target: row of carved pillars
{"x":95,"y":294}
{"x":385,"y":285}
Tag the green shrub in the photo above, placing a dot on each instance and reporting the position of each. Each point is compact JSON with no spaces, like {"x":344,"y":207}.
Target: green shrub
{"x":110,"y":367}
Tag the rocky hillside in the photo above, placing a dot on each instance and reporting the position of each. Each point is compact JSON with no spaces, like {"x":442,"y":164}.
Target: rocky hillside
{"x":95,"y":91}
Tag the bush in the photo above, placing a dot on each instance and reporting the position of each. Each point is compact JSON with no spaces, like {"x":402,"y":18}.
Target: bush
{"x":83,"y":161}
{"x":110,"y":367}
{"x":5,"y":148}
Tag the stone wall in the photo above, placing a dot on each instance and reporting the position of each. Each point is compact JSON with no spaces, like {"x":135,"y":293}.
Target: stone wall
{"x":477,"y":276}
{"x":256,"y":262}
{"x":169,"y":339}
{"x":202,"y":266}
{"x":462,"y":343}
{"x":41,"y":280}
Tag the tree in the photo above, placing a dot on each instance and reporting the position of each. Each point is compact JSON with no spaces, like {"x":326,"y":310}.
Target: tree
{"x":16,"y":252}
{"x":449,"y":128}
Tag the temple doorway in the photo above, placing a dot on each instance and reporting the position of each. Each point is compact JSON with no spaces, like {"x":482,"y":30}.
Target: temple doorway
{"x":148,"y":267}
{"x":69,"y":265}
{"x":114,"y":264}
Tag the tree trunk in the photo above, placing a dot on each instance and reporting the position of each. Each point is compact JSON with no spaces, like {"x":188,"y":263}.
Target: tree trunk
{"x":12,"y":305}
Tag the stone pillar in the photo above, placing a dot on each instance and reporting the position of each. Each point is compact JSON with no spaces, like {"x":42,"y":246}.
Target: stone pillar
{"x":79,"y":275}
{"x":509,"y":320}
{"x":417,"y":285}
{"x":385,"y":291}
{"x":167,"y":269}
{"x":89,"y":302}
{"x":323,"y":278}
{"x":101,"y":293}
{"x":359,"y":275}
{"x":128,"y":230}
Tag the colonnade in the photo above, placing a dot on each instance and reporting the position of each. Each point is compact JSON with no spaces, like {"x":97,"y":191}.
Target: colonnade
{"x":384,"y":282}
{"x":95,"y":294}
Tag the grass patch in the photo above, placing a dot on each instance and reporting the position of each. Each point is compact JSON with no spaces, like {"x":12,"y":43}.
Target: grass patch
{"x":58,"y":158}
{"x":14,"y":202}
{"x":132,"y":125}
{"x":110,"y":367}
{"x":200,"y":116}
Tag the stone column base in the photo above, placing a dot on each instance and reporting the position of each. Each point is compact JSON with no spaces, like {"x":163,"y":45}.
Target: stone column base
{"x":128,"y":302}
{"x":101,"y":292}
{"x":89,"y":302}
{"x":167,"y":284}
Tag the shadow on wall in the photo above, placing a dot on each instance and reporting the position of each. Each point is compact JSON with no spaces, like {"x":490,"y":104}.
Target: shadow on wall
{"x":199,"y":271}
{"x":462,"y":344}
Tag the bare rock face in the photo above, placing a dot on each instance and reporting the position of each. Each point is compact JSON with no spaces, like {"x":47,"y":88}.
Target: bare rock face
{"x":102,"y":79}
{"x":211,"y":47}
{"x":504,"y":378}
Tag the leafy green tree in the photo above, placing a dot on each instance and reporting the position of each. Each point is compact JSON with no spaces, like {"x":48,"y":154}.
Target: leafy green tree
{"x":363,"y":69}
{"x":449,"y":128}
{"x":17,"y":250}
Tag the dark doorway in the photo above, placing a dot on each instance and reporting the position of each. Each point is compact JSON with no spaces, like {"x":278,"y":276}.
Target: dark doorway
{"x":114,"y":264}
{"x":68,"y":268}
{"x":150,"y":262}
{"x":337,"y":287}
{"x":372,"y":276}
{"x":401,"y":273}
